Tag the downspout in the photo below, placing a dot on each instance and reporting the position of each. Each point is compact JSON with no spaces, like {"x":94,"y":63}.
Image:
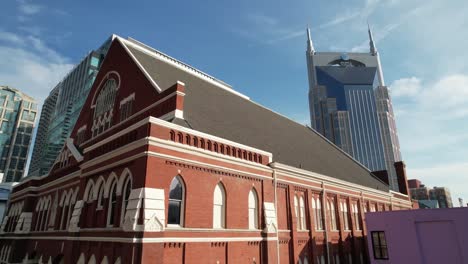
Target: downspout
{"x":276,"y":212}
{"x":324,"y":213}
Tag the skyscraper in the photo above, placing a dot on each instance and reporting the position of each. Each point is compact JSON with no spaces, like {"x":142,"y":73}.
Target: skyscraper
{"x":17,"y":116}
{"x":350,"y":105}
{"x":61,"y":109}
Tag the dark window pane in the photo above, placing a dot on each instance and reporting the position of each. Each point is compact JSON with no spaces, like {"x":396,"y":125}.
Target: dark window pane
{"x":174,"y":212}
{"x":175,"y":190}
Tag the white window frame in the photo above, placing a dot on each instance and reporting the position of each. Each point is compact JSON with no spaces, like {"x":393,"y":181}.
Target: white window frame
{"x":219,"y":222}
{"x":253,"y":210}
{"x":182,"y":203}
{"x":112,"y":189}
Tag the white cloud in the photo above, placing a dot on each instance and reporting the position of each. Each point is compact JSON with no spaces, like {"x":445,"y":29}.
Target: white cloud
{"x":447,"y":98}
{"x":447,"y":175}
{"x":29,"y":8}
{"x":31,"y":66}
{"x":261,"y":20}
{"x":406,"y":87}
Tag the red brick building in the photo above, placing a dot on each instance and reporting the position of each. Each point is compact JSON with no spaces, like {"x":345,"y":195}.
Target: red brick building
{"x":167,"y":164}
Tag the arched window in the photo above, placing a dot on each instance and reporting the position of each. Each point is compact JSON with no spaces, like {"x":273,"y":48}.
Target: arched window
{"x":317,"y":207}
{"x":125,"y":196}
{"x":209,"y":145}
{"x":92,"y":260}
{"x":331,"y":209}
{"x":357,"y":219}
{"x":172,"y":133}
{"x":180,"y":138}
{"x":195,"y":141}
{"x":344,"y":212}
{"x":187,"y":140}
{"x":71,"y":206}
{"x":253,"y":209}
{"x":302,"y":213}
{"x":81,"y":260}
{"x":296,"y":211}
{"x":103,"y":107}
{"x":112,"y":208}
{"x":219,"y":207}
{"x":104,"y":260}
{"x":176,"y":202}
{"x":100,"y":197}
{"x":228,"y":150}
{"x":64,"y":215}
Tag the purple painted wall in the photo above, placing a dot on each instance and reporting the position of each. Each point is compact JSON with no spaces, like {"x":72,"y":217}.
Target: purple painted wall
{"x":423,"y":236}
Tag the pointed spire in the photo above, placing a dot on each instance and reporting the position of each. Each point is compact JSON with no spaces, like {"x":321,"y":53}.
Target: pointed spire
{"x":373,"y":49}
{"x":310,"y":45}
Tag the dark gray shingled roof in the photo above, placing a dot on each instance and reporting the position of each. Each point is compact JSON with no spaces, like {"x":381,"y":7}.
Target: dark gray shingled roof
{"x":213,"y":110}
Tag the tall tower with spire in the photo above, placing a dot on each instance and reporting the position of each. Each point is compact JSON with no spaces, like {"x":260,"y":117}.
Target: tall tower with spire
{"x":350,"y":105}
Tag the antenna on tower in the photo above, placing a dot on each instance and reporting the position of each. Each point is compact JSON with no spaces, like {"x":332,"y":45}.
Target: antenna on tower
{"x":310,"y":44}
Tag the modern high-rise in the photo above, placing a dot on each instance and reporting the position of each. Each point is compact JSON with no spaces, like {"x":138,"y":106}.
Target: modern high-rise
{"x":61,"y":109}
{"x":17,"y":117}
{"x":350,"y":106}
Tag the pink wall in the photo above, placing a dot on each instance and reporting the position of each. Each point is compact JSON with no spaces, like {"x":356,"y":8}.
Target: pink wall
{"x":422,"y":236}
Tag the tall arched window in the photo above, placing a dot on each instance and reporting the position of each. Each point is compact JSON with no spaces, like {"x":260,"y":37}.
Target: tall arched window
{"x":317,"y":207}
{"x":253,"y":209}
{"x":112,"y":208}
{"x":332,"y":210}
{"x":357,"y":219}
{"x":219,"y":207}
{"x":296,"y":211}
{"x":302,"y":213}
{"x":100,"y":197}
{"x":344,"y":212}
{"x":125,"y":196}
{"x":176,"y":202}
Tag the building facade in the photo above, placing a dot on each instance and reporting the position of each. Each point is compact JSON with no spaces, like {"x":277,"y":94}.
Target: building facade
{"x":426,"y":196}
{"x":442,"y":195}
{"x":418,"y":236}
{"x":168,"y":163}
{"x":62,"y":108}
{"x":17,"y":117}
{"x":351,"y":106}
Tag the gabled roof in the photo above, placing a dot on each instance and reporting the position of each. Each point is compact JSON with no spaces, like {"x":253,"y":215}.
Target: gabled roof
{"x":211,"y":108}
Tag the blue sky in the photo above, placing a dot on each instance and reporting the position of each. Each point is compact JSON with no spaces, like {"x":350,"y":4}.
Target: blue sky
{"x":259,"y":48}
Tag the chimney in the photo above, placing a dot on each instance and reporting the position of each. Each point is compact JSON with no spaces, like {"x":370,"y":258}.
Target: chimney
{"x":382,"y":175}
{"x":400,"y":168}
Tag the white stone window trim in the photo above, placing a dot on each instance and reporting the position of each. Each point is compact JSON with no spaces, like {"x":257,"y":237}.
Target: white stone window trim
{"x":113,"y":188}
{"x":182,"y":205}
{"x":219,"y":202}
{"x":253,"y":210}
{"x":123,"y":210}
{"x":127,"y":99}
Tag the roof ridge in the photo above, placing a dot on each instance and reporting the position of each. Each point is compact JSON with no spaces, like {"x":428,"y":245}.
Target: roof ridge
{"x":154,"y":53}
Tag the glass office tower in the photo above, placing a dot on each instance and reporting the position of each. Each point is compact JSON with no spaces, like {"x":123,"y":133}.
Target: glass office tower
{"x":350,"y":105}
{"x":62,"y":108}
{"x":17,"y":117}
